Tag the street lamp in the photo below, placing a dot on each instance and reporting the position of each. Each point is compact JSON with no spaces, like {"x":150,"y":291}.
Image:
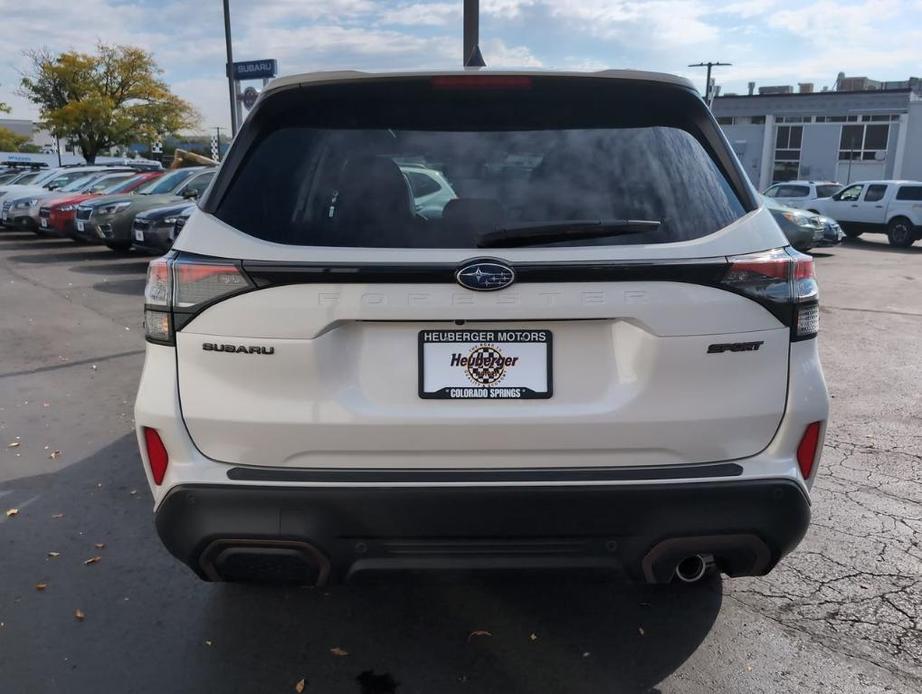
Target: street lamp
{"x":230,"y":68}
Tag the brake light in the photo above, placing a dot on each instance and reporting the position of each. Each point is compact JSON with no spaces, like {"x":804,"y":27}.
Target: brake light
{"x":177,"y":290}
{"x":806,"y":450}
{"x":157,"y":457}
{"x":481,"y":82}
{"x":783,"y":281}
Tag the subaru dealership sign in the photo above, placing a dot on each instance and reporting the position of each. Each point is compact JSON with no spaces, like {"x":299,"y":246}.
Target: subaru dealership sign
{"x":255,"y":69}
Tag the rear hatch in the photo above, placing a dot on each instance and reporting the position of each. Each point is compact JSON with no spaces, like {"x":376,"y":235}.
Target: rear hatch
{"x":568,"y":303}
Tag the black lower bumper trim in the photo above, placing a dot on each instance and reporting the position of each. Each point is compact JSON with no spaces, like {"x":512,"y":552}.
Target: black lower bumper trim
{"x":369,"y":476}
{"x":314,"y":535}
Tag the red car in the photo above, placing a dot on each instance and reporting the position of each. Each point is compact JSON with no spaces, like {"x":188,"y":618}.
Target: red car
{"x":57,"y":215}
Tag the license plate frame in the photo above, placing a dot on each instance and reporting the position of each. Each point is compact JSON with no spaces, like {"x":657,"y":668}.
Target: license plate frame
{"x":483,"y":380}
{"x":139,"y":235}
{"x":43,"y":222}
{"x":80,"y":225}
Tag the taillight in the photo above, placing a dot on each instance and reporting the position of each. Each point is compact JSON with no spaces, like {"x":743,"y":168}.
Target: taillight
{"x":178,"y":289}
{"x":806,"y":450}
{"x":157,"y":457}
{"x":783,"y":281}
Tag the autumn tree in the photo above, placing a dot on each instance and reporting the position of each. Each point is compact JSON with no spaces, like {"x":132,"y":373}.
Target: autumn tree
{"x":11,"y":141}
{"x":113,"y":97}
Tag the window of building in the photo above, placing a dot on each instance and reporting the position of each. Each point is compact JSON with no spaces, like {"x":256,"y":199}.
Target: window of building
{"x":875,"y":193}
{"x":757,"y":120}
{"x":866,"y":142}
{"x":788,"y":139}
{"x":725,"y":120}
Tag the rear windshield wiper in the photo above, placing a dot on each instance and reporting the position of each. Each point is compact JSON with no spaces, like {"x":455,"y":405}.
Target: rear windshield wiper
{"x":535,"y":233}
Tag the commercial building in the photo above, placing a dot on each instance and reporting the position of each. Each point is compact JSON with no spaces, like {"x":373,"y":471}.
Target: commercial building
{"x":861,"y":129}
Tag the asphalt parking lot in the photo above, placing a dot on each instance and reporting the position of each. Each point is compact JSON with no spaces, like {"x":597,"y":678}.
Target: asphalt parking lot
{"x":840,"y":614}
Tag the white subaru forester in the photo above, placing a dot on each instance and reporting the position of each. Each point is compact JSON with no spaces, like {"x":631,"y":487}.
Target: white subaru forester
{"x":599,"y":352}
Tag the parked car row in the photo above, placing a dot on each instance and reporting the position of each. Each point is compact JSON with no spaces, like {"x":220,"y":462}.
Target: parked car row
{"x":115,"y":205}
{"x":891,"y":207}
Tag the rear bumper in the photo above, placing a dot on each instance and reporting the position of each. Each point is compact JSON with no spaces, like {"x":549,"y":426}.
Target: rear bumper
{"x":320,"y":535}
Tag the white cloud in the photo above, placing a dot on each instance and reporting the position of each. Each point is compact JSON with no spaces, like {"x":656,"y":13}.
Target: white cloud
{"x":424,"y":14}
{"x":498,"y":54}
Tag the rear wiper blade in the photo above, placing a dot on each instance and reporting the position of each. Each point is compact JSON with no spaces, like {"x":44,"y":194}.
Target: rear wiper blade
{"x":535,"y":233}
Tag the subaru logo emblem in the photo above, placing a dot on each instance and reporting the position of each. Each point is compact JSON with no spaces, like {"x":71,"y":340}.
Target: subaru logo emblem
{"x":485,"y":276}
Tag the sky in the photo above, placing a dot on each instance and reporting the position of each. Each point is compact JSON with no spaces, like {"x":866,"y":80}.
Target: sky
{"x":768,"y":41}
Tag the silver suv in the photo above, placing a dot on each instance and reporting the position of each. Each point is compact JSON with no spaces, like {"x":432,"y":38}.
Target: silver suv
{"x":599,"y":355}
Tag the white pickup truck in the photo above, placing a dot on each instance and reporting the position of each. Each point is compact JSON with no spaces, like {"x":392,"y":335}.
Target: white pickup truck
{"x":890,"y":207}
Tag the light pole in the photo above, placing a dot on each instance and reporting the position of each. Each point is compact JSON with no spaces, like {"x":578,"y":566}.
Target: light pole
{"x":472,"y":56}
{"x":707,"y":88}
{"x":230,"y":68}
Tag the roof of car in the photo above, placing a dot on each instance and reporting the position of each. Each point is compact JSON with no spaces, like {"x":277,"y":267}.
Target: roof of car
{"x":312,"y":78}
{"x":807,"y":183}
{"x":898,"y":182}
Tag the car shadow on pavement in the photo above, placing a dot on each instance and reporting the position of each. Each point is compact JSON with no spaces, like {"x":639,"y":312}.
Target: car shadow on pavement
{"x":149,"y":625}
{"x":133,"y":267}
{"x":25,"y":245}
{"x":123,"y":287}
{"x":76,"y":254}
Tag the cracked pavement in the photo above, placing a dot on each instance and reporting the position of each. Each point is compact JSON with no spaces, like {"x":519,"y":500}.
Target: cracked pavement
{"x":840,"y":614}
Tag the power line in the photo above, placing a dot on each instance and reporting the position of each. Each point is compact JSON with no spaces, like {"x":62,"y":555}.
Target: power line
{"x":707,"y":88}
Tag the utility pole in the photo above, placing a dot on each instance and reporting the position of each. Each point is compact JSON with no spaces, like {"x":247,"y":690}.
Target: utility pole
{"x":230,"y":68}
{"x":707,"y":89}
{"x":472,"y":56}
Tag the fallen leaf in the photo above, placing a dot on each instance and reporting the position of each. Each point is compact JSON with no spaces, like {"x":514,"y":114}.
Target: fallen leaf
{"x":299,"y":687}
{"x":478,"y":632}
{"x":586,"y":654}
{"x":92,"y":560}
{"x":207,"y":643}
{"x":10,"y":512}
{"x":15,"y":444}
{"x":533,"y":637}
{"x":133,"y":492}
{"x":57,"y":515}
{"x":54,"y":454}
{"x":100,"y":545}
{"x":642,"y":632}
{"x":336,"y":650}
{"x":54,"y":555}
{"x":40,"y":586}
{"x":79,"y":615}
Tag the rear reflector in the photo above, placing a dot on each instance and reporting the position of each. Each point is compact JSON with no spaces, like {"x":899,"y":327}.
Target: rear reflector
{"x":157,"y":456}
{"x":806,"y":450}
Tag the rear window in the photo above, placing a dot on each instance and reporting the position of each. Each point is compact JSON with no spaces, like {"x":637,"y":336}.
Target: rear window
{"x":348,"y":171}
{"x":909,"y":193}
{"x":166,"y":183}
{"x":827,"y":191}
{"x":790,"y":191}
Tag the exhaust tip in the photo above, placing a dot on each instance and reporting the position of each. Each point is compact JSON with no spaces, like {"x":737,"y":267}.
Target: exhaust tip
{"x":693,"y":568}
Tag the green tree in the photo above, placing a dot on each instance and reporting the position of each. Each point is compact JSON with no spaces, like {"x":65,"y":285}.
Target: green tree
{"x":10,"y":141}
{"x":113,"y":97}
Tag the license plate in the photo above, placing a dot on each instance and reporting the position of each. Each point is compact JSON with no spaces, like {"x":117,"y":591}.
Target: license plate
{"x":44,"y":223}
{"x":491,"y":364}
{"x":139,"y":235}
{"x":80,"y":225}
